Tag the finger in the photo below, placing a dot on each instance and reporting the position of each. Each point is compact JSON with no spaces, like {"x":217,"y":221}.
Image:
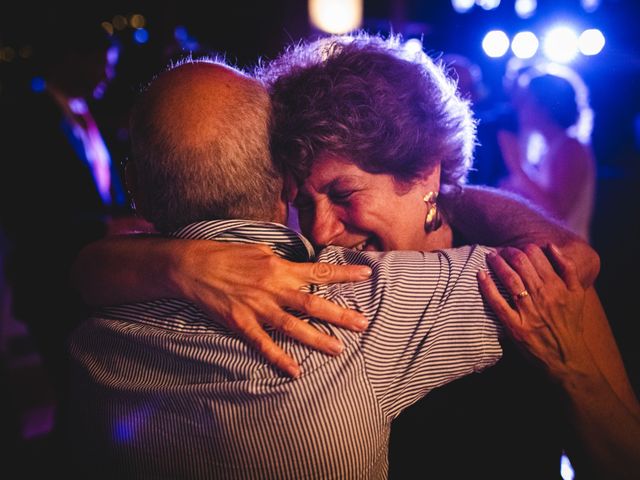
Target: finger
{"x":507,"y":315}
{"x":302,"y":331}
{"x":521,"y":264}
{"x":507,"y":276}
{"x":565,"y":266}
{"x":326,"y":310}
{"x":321,"y":272}
{"x":542,"y":264}
{"x":264,"y":344}
{"x":531,"y":344}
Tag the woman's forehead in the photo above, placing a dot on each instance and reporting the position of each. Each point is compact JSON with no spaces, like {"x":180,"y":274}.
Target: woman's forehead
{"x":330,"y":170}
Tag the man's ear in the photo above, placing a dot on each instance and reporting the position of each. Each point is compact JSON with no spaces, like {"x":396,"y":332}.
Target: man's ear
{"x":131,"y":184}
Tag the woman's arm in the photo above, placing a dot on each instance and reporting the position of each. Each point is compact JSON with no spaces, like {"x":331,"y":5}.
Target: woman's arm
{"x":497,"y":218}
{"x":564,"y":329}
{"x":241,"y":286}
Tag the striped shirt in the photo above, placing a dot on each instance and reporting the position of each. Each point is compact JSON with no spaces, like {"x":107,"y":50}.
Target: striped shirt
{"x":161,"y":391}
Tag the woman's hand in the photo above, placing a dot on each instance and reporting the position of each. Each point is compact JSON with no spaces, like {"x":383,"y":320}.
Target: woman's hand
{"x":550,"y":322}
{"x":545,"y":316}
{"x":241,"y":286}
{"x":247,"y":286}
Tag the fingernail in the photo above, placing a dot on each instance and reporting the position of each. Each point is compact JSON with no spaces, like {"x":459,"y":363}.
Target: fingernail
{"x":336,"y":347}
{"x":555,"y":249}
{"x":482,"y":275}
{"x":293,"y":369}
{"x":365,"y":272}
{"x":361,"y":323}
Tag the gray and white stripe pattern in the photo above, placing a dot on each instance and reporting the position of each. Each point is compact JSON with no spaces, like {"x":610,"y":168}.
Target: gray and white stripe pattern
{"x":163,"y":392}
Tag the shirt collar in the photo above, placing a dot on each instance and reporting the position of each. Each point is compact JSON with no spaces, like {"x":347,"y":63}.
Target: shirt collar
{"x":285,"y":242}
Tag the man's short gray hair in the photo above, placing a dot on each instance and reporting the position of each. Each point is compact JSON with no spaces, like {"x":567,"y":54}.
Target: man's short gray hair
{"x":226,"y":175}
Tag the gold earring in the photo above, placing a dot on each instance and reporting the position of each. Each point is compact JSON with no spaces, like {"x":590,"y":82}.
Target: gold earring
{"x":433,"y":219}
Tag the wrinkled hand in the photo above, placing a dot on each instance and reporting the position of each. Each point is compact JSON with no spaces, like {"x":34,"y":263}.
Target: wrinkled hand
{"x":547,"y":323}
{"x":247,"y":286}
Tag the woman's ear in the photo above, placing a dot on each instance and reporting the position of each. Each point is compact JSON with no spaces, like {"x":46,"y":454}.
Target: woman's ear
{"x":431,"y":180}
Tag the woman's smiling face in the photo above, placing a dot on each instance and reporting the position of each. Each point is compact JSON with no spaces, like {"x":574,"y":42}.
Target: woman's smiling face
{"x":341,"y":204}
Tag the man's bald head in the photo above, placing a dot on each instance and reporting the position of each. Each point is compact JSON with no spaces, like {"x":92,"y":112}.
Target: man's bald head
{"x":204,"y":96}
{"x":200,"y":145}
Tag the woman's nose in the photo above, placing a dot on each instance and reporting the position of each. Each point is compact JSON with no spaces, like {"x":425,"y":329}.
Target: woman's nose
{"x":327,"y":226}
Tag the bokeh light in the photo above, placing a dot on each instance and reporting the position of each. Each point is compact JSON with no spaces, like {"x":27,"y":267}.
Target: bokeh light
{"x":119,"y":22}
{"x":488,"y":4}
{"x":524,"y":45}
{"x":107,"y":27}
{"x":7,"y":54}
{"x":336,"y":16}
{"x":25,"y":51}
{"x":560,"y":44}
{"x":462,"y":6}
{"x":495,"y":43}
{"x":413,"y":45}
{"x":590,"y":6}
{"x":137,"y":21}
{"x":525,"y":8}
{"x":141,"y":35}
{"x":38,"y":84}
{"x":591,"y":42}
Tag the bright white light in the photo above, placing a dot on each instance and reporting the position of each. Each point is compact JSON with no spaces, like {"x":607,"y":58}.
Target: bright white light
{"x":525,"y":8}
{"x":413,"y":45}
{"x":462,"y":6}
{"x":560,"y":45}
{"x":524,"y":45}
{"x":336,"y":16}
{"x":591,"y":41}
{"x":566,"y":469}
{"x":537,"y":148}
{"x":495,"y":43}
{"x":590,"y":5}
{"x":488,"y":4}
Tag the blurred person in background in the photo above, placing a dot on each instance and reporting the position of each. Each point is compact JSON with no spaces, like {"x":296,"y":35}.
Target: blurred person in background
{"x":550,"y":160}
{"x":59,"y":188}
{"x":492,"y":115}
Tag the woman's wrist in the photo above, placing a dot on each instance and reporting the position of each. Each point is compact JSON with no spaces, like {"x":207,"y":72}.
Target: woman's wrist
{"x":176,"y":263}
{"x":582,"y":379}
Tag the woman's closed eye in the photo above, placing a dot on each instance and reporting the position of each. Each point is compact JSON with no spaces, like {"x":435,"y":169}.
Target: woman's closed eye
{"x":341,"y":196}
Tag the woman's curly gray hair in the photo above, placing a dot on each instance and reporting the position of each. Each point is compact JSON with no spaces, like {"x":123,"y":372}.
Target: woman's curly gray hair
{"x":387,"y":108}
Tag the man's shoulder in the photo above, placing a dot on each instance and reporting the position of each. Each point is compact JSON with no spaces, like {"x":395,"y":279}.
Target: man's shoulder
{"x":343,"y":255}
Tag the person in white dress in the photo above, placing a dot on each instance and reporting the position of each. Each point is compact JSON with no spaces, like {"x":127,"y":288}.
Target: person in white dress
{"x":550,"y":160}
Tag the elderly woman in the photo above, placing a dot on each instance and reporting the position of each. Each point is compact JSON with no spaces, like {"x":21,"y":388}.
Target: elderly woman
{"x":379,"y":143}
{"x":376,"y":131}
{"x":375,"y":145}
